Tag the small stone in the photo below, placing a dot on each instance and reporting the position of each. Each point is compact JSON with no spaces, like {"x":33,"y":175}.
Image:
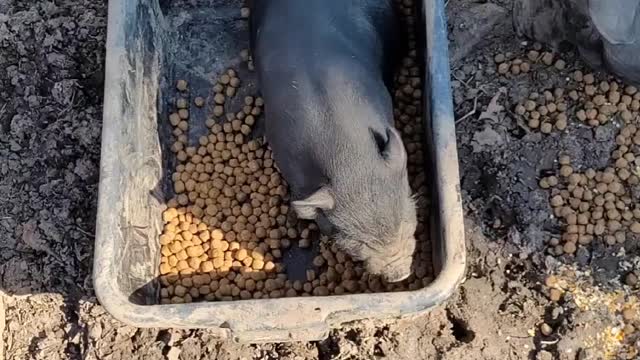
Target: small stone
{"x":631,"y":279}
{"x":499,"y":58}
{"x":544,"y":355}
{"x":560,"y":64}
{"x":545,"y":329}
{"x":174,"y":353}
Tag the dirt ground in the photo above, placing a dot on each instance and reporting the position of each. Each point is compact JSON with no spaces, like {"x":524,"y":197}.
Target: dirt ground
{"x":51,"y":79}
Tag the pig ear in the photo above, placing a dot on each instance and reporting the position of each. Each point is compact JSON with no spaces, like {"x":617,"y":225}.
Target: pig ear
{"x":394,"y":152}
{"x":318,"y":201}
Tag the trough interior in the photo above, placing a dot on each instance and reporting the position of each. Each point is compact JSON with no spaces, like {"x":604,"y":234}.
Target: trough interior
{"x":194,"y":40}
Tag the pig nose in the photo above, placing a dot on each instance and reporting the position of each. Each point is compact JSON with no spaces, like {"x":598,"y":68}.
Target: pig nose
{"x":396,"y":276}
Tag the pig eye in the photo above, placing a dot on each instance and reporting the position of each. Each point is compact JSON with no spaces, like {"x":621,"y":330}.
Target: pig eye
{"x":380,"y":140}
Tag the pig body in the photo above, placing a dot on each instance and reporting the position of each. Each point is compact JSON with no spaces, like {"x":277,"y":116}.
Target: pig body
{"x":323,"y":66}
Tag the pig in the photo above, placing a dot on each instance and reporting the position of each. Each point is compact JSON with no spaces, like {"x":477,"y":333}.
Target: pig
{"x":605,"y":32}
{"x":324,"y":67}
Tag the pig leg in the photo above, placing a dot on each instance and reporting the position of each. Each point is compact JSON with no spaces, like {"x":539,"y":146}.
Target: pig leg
{"x":623,"y":60}
{"x":606,"y":33}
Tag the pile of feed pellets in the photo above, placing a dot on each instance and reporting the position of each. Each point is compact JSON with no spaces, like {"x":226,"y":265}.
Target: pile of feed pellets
{"x":228,"y":228}
{"x":592,"y":205}
{"x":596,"y":208}
{"x":599,"y":203}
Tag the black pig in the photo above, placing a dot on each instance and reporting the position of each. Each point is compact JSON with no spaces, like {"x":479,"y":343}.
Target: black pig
{"x":323,"y":68}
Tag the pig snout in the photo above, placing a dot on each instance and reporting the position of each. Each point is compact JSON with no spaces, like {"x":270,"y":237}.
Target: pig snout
{"x":395,"y":271}
{"x":393,"y":263}
{"x":397,"y":274}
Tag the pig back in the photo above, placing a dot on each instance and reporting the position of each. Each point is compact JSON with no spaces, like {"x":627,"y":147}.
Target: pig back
{"x":321,"y":67}
{"x":292,"y":30}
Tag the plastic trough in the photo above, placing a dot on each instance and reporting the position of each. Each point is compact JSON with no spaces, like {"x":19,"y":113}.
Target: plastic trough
{"x":151,"y":43}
